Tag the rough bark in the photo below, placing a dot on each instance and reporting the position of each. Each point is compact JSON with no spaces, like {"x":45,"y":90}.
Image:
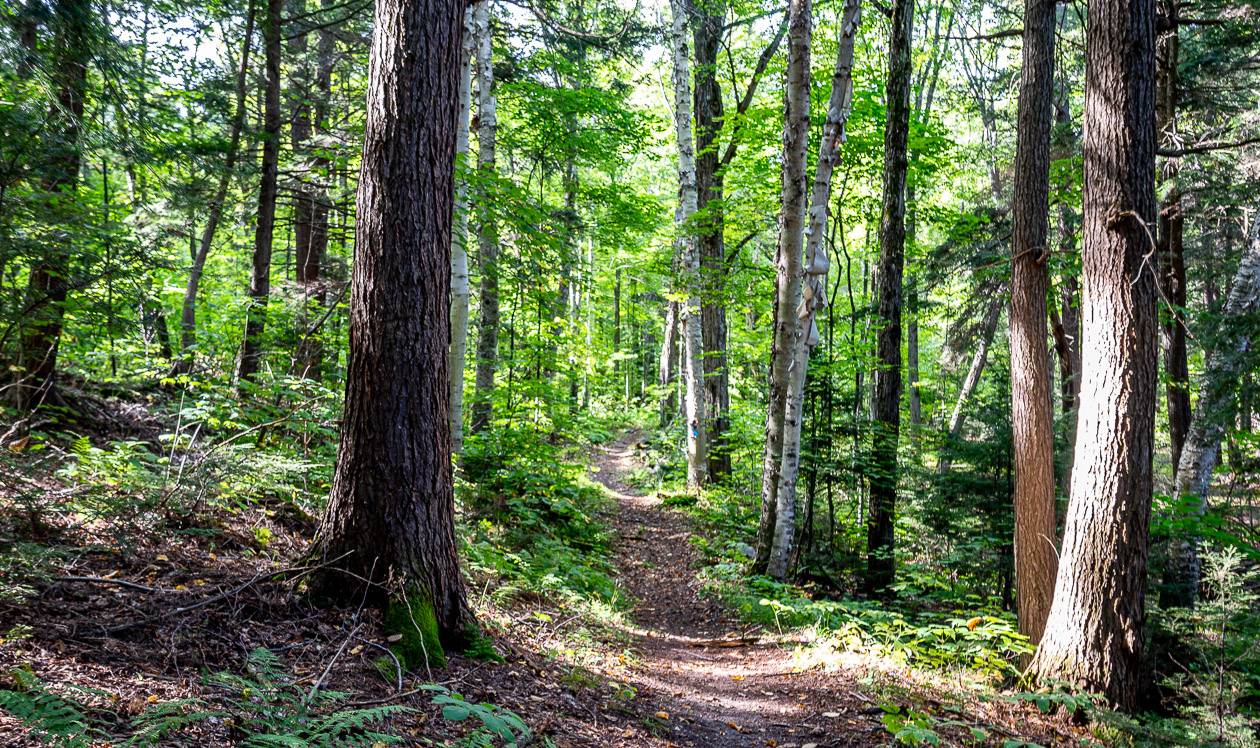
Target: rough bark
{"x":214,"y":212}
{"x":1093,"y":637}
{"x":250,"y":357}
{"x":460,"y":290}
{"x":710,"y":18}
{"x":814,"y":287}
{"x":48,"y":283}
{"x":1032,"y":416}
{"x":486,"y":224}
{"x":686,"y":249}
{"x":886,"y":400}
{"x":390,"y":516}
{"x":1223,"y":375}
{"x":788,"y":265}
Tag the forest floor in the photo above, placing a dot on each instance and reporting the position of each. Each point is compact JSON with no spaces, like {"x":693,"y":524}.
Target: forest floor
{"x":123,"y":616}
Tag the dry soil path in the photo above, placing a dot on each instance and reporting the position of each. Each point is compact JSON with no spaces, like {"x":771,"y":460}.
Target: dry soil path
{"x":717,"y":683}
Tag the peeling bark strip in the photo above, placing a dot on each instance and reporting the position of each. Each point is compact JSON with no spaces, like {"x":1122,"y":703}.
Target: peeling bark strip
{"x":788,"y":262}
{"x":686,"y":249}
{"x":814,"y":294}
{"x":1093,"y":636}
{"x":886,"y":403}
{"x":391,"y":510}
{"x":1226,"y":365}
{"x":1032,"y":417}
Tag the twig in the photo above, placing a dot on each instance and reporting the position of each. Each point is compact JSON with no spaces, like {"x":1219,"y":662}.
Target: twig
{"x":113,"y":582}
{"x":328,"y":668}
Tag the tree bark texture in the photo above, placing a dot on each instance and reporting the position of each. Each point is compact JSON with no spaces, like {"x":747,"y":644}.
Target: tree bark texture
{"x":886,"y":400}
{"x":1093,"y":636}
{"x":788,"y":265}
{"x":1032,"y":416}
{"x":390,"y":517}
{"x":250,"y":358}
{"x":487,"y":225}
{"x":686,"y":249}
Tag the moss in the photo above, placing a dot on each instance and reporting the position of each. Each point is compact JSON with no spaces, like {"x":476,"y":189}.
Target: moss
{"x":478,"y":646}
{"x":412,"y":617}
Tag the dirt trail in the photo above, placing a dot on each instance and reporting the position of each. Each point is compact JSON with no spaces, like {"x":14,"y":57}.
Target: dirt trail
{"x":745,"y":695}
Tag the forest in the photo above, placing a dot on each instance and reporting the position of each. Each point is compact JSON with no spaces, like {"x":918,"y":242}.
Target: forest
{"x":493,"y":373}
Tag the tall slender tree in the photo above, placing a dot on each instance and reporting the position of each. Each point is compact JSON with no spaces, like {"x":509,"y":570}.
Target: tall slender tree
{"x":1093,"y":637}
{"x":460,"y":291}
{"x":788,"y":267}
{"x":1032,"y":419}
{"x":686,"y":249}
{"x":250,"y":357}
{"x":486,"y":223}
{"x":390,"y":517}
{"x":886,"y":402}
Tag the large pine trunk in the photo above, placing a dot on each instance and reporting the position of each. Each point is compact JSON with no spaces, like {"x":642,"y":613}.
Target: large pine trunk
{"x":886,"y":401}
{"x":390,"y":517}
{"x":1093,"y":636}
{"x":487,"y":226}
{"x":250,"y":357}
{"x":687,"y":250}
{"x":788,"y":265}
{"x":48,"y":284}
{"x":1032,"y":417}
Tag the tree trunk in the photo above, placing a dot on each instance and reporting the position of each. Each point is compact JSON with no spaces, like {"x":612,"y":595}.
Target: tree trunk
{"x":886,"y":403}
{"x":260,"y":279}
{"x":814,"y":287}
{"x":1093,"y":636}
{"x":390,"y":516}
{"x":48,"y":284}
{"x":1032,"y":416}
{"x":1223,"y":374}
{"x":460,"y":291}
{"x":310,"y":352}
{"x":1170,"y":233}
{"x":686,"y":249}
{"x":710,"y":20}
{"x":788,"y":262}
{"x":487,"y":226}
{"x":214,"y":212}
{"x":979,"y":359}
{"x":668,"y":365}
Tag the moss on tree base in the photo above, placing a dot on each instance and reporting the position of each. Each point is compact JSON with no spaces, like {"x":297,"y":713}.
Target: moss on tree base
{"x":412,"y":617}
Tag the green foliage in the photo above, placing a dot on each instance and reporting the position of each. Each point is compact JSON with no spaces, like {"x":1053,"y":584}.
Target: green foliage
{"x":52,"y":718}
{"x":497,"y":726}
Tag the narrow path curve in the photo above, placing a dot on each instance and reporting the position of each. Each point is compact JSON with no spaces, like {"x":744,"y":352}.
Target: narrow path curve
{"x":715,"y":682}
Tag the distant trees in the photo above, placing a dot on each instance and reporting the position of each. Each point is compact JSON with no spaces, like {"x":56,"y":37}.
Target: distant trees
{"x":390,"y":516}
{"x":486,"y":223}
{"x":1093,"y":637}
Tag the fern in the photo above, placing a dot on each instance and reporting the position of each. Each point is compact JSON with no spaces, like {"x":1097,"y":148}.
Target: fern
{"x":53,"y":719}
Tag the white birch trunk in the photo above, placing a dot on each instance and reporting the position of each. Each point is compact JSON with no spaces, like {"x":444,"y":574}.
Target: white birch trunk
{"x":685,"y":246}
{"x":814,"y":294}
{"x":459,"y":247}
